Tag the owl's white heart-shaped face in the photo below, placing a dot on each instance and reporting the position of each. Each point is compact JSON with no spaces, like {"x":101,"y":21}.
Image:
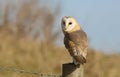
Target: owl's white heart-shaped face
{"x":68,"y":23}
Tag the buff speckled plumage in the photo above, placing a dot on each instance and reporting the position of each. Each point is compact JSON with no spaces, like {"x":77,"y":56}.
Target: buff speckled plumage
{"x":75,"y":39}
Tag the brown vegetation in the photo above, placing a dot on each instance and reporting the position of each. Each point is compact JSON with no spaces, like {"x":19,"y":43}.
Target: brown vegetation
{"x":27,"y":42}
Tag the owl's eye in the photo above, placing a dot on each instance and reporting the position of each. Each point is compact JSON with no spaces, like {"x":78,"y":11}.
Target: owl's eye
{"x":70,"y":23}
{"x":63,"y":22}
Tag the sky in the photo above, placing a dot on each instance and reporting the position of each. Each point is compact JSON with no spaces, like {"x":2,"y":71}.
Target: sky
{"x":100,"y":19}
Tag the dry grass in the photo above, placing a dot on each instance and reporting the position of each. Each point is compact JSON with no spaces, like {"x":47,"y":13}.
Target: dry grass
{"x":101,"y":65}
{"x":48,"y":58}
{"x":31,"y":55}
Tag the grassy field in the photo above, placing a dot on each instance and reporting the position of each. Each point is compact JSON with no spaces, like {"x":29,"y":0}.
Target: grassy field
{"x":48,"y":58}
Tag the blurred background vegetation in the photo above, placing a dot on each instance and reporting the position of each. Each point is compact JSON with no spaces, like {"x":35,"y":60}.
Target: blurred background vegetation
{"x":28,"y":41}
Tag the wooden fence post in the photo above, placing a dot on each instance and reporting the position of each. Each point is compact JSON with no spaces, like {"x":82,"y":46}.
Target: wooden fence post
{"x":70,"y":70}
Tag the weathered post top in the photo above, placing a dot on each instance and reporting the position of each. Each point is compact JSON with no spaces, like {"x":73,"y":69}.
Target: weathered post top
{"x":70,"y":70}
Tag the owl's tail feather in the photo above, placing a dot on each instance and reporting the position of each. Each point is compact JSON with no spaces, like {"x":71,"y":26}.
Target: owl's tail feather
{"x":80,"y":59}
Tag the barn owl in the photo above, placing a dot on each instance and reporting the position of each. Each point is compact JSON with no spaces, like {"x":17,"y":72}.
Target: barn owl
{"x":75,"y":39}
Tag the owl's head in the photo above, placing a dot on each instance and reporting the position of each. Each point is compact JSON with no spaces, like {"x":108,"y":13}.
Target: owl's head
{"x":69,"y":24}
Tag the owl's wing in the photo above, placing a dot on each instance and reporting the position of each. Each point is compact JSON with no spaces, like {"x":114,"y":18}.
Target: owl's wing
{"x":79,"y":38}
{"x":69,"y":45}
{"x":79,"y":44}
{"x":66,"y":42}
